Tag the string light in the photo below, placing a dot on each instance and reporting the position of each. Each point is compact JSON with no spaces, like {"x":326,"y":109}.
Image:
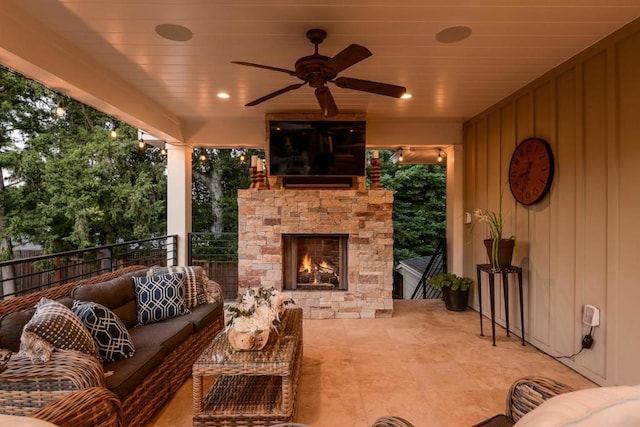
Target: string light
{"x":114,"y":131}
{"x":203,"y":156}
{"x":440,"y":155}
{"x":163,"y":151}
{"x":243,"y":158}
{"x":141,"y":144}
{"x":400,"y":157}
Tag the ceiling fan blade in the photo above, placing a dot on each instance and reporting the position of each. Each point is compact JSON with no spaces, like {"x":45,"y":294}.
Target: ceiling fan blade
{"x":326,"y":101}
{"x":274,"y":94}
{"x":370,"y":86}
{"x":266,"y":67}
{"x":349,"y":56}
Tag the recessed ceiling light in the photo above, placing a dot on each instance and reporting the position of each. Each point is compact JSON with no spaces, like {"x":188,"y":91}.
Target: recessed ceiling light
{"x":223,"y":95}
{"x":406,"y":96}
{"x":453,"y":34}
{"x":174,"y":32}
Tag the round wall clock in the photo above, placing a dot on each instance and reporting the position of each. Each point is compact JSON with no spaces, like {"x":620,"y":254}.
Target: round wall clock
{"x":531,"y":170}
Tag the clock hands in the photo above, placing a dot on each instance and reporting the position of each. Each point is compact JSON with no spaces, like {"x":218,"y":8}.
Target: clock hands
{"x":527,"y":172}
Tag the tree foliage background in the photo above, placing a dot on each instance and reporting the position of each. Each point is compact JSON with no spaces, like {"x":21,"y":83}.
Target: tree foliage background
{"x":419,"y":206}
{"x":67,"y":183}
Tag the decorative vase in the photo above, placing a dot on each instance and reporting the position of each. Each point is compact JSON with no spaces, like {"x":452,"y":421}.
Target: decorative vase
{"x":455,"y":300}
{"x":246,"y":341}
{"x":505,"y":252}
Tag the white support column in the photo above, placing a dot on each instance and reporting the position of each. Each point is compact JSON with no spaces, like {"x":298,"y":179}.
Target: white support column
{"x":179,"y":196}
{"x":455,"y":212}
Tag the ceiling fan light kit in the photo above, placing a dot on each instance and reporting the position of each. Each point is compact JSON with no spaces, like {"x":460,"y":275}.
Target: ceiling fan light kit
{"x":318,"y":70}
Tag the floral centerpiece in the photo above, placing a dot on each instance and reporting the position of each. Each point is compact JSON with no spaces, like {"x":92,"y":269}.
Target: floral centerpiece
{"x":495,"y":243}
{"x":255,"y":315}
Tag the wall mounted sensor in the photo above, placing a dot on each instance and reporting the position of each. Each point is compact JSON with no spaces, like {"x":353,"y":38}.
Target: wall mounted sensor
{"x":591,"y":316}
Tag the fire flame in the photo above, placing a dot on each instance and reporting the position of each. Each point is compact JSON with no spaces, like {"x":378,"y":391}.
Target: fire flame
{"x":306,"y":265}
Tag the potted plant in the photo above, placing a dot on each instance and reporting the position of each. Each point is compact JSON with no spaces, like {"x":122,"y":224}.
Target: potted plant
{"x":499,"y":249}
{"x":455,"y":290}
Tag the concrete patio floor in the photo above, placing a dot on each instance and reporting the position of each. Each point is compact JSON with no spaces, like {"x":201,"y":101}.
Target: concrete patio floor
{"x":425,"y":364}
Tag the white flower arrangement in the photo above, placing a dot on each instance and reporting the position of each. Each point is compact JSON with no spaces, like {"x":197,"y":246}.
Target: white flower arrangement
{"x":259,"y":309}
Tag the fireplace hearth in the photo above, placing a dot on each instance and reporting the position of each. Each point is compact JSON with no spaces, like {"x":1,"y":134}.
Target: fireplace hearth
{"x":315,"y":262}
{"x":342,"y":266}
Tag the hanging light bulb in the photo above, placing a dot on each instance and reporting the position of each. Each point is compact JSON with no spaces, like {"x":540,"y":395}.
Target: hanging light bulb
{"x":203,"y":156}
{"x":440,"y":155}
{"x":243,"y":158}
{"x":163,"y":151}
{"x":114,"y":132}
{"x":400,"y":157}
{"x":141,"y":144}
{"x":60,"y":111}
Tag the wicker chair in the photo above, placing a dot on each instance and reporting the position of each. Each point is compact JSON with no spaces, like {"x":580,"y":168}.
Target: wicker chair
{"x":391,"y":422}
{"x":525,"y":395}
{"x":93,"y":406}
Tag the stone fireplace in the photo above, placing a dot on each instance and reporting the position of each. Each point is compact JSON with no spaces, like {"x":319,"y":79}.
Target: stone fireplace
{"x":346,"y":235}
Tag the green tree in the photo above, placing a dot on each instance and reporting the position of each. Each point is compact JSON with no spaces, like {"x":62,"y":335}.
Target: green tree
{"x":419,"y":206}
{"x":216,"y":180}
{"x":74,"y":186}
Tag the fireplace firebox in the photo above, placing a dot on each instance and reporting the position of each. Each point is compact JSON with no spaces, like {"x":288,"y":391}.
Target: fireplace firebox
{"x":315,"y":262}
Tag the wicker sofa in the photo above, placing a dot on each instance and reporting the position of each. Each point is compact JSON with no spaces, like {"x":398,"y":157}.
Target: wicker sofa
{"x":73,"y":388}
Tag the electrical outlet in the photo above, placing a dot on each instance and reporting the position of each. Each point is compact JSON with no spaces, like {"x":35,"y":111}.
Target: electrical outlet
{"x":591,"y":315}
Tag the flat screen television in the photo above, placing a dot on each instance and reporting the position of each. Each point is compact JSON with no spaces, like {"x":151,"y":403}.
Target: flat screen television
{"x":317,"y":148}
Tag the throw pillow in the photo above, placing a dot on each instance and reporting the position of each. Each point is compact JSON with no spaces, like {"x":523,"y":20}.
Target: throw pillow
{"x":56,"y":325}
{"x":194,"y":282}
{"x":108,"y":331}
{"x":159,"y":297}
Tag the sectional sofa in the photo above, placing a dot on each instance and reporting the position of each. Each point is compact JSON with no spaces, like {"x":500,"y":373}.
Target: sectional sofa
{"x":147,"y":326}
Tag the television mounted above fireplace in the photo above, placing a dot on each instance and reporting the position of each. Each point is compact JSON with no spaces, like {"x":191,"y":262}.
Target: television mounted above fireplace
{"x":308,"y":148}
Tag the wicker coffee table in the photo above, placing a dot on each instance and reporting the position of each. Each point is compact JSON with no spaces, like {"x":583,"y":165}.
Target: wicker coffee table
{"x":251,"y":388}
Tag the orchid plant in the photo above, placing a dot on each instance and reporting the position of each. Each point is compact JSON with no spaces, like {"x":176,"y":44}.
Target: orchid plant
{"x":259,"y":309}
{"x":494,"y":222}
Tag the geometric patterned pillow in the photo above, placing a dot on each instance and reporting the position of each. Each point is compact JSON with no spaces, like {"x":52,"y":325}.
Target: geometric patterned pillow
{"x":55,"y":324}
{"x":159,"y":297}
{"x":195,"y":293}
{"x":111,"y":336}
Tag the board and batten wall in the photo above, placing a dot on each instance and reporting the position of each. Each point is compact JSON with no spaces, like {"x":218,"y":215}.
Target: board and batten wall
{"x":580,"y":244}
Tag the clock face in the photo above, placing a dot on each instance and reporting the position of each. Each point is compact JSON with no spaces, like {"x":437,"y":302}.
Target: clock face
{"x":531,"y":170}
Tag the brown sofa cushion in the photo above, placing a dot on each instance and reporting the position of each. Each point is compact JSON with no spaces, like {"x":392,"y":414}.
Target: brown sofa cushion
{"x":203,"y":315}
{"x":11,"y":325}
{"x":123,"y":376}
{"x":165,"y":336}
{"x":116,"y":294}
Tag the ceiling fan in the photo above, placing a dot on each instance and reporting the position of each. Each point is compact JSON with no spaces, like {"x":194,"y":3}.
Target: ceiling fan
{"x":317,"y":70}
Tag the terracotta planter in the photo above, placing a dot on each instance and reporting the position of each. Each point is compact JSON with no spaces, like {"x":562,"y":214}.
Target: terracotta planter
{"x":455,"y":300}
{"x":505,"y":252}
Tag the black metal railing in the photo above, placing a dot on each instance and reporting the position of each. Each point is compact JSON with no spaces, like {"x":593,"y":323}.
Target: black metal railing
{"x":217,"y":253}
{"x":25,"y":275}
{"x":437,"y":264}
